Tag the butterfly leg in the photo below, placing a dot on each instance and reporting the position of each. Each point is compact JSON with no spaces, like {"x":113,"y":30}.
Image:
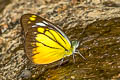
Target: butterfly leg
{"x":62,"y":60}
{"x":73,"y":57}
{"x":77,"y":51}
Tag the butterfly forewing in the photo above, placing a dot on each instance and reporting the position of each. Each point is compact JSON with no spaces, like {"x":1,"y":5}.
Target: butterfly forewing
{"x":44,"y":42}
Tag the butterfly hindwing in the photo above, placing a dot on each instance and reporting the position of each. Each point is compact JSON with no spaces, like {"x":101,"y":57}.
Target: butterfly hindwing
{"x":44,"y":42}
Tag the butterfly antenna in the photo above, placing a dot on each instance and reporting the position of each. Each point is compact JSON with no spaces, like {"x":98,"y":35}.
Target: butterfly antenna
{"x":81,"y":55}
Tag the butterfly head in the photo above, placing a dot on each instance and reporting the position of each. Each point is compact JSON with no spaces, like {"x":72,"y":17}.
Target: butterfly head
{"x":75,"y":44}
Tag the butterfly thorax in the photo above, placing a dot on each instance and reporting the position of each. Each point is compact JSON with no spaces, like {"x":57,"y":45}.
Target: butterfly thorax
{"x":74,"y":45}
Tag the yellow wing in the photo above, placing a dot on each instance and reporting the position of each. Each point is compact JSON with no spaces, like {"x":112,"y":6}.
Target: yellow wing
{"x":44,"y":42}
{"x":50,"y":46}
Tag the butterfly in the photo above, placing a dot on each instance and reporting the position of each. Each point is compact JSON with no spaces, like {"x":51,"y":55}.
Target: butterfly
{"x":45,"y":43}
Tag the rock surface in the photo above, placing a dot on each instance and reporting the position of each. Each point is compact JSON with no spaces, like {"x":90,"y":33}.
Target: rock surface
{"x":95,"y":23}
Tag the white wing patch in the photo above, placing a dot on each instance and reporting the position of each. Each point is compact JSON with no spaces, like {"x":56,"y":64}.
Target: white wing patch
{"x":45,"y":22}
{"x":34,"y":26}
{"x":40,"y":24}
